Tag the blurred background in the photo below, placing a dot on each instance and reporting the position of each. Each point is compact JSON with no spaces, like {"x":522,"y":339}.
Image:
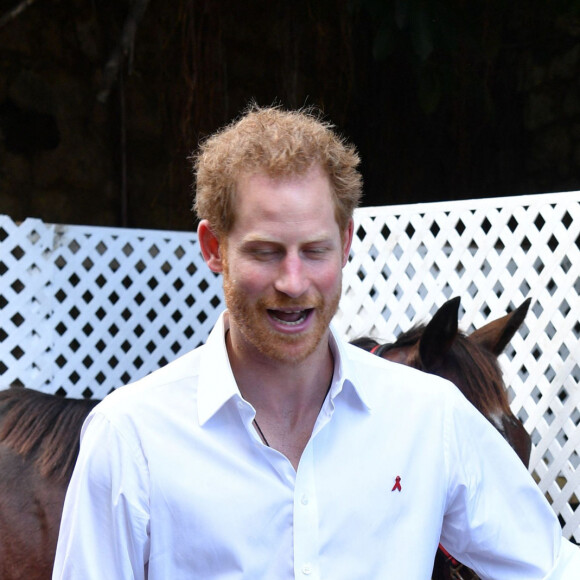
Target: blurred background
{"x":102,"y":101}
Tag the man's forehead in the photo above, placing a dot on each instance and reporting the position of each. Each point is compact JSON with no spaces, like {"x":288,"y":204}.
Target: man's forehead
{"x":282,"y":174}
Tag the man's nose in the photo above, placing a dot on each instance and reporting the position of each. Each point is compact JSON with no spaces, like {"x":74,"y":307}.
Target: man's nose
{"x":291,"y":279}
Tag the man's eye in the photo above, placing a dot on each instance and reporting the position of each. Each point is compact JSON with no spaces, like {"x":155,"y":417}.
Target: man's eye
{"x":316,"y":251}
{"x":263,"y":253}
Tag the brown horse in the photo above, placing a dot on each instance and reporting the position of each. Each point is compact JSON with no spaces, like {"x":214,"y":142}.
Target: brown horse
{"x":470,"y":362}
{"x":38,"y":448}
{"x":39,"y":434}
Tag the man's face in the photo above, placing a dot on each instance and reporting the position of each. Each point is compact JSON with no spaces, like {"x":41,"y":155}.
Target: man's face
{"x":282,"y":265}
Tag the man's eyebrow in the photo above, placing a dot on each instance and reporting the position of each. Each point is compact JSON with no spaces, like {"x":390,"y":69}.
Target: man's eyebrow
{"x":260,"y":239}
{"x":257,"y":239}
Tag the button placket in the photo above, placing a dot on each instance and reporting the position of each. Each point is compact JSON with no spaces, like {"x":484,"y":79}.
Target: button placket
{"x":306,"y":537}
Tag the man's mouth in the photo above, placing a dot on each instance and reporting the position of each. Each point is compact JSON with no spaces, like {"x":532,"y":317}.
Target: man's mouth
{"x":290,"y":317}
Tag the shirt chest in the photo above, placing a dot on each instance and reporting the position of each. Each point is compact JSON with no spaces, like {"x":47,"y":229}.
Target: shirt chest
{"x":228,"y":502}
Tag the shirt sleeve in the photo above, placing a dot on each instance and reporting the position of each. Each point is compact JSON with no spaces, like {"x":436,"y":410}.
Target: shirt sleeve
{"x":105,"y":522}
{"x":497,"y":520}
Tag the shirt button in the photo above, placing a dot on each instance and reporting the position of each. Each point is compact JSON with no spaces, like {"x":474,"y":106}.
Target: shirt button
{"x":307,"y":569}
{"x":304,"y":499}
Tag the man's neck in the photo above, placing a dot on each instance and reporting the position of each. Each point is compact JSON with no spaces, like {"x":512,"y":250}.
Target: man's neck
{"x":287,"y":396}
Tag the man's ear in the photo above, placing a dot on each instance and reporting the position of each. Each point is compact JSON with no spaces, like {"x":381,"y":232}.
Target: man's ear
{"x":347,"y":241}
{"x":210,"y":246}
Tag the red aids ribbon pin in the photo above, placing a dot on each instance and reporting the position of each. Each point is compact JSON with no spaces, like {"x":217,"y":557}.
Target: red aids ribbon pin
{"x":397,"y":485}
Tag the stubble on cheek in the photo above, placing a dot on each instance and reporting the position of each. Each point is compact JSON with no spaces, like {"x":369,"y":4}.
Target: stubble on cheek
{"x":251,"y":318}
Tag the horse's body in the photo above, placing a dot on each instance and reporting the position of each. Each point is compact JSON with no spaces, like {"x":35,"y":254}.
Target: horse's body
{"x":39,"y":434}
{"x":38,"y":448}
{"x":470,"y":362}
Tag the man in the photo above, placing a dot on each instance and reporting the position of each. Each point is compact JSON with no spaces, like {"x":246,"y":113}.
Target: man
{"x":277,"y":451}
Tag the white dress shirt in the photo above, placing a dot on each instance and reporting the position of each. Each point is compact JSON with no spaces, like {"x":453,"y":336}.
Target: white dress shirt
{"x":174,"y":483}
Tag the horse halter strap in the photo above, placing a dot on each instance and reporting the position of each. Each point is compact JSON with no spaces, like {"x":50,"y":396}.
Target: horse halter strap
{"x":380,"y":349}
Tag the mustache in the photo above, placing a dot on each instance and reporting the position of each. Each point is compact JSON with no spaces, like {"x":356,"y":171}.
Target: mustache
{"x":286,"y":303}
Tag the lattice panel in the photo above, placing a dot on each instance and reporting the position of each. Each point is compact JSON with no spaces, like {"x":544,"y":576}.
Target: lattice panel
{"x":25,"y":305}
{"x":86,"y":310}
{"x":408,"y":260}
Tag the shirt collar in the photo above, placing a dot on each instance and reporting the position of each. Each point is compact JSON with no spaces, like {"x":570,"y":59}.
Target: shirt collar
{"x":344,"y":370}
{"x":217,"y":384}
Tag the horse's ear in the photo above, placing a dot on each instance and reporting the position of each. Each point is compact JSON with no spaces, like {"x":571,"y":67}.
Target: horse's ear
{"x":496,"y":335}
{"x":439,"y":334}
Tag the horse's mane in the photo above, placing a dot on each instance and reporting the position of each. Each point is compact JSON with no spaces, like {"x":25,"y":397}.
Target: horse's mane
{"x":471,"y":367}
{"x":43,"y":428}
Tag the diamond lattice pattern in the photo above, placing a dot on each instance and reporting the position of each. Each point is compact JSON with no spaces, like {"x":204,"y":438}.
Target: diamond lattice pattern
{"x":408,"y":260}
{"x":85,"y":310}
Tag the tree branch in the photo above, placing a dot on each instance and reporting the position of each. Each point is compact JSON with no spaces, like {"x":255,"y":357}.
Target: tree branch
{"x":124,"y":48}
{"x":15,"y":12}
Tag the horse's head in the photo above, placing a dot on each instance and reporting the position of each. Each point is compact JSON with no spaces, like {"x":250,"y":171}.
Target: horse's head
{"x":470,"y":362}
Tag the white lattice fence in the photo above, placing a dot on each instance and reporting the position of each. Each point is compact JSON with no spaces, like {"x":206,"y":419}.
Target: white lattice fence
{"x":85,"y":309}
{"x":494,"y":253}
